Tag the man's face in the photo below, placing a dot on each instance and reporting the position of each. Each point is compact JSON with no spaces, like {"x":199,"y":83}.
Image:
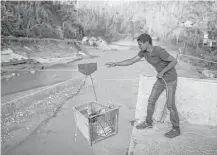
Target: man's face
{"x":143,"y":46}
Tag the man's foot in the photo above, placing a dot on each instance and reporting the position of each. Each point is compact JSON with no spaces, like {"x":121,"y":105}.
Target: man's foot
{"x":172,"y":133}
{"x":144,"y":125}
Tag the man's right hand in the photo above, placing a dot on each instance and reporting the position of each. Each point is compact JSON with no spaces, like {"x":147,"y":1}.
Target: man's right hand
{"x":111,"y":64}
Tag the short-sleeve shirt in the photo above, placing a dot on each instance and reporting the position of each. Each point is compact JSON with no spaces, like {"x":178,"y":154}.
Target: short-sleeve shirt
{"x":158,"y":59}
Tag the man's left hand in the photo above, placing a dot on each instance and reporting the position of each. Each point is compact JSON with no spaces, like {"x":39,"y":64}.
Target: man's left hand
{"x":160,"y":75}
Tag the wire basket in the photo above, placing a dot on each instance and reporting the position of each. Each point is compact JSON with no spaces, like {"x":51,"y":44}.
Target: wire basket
{"x":96,"y":121}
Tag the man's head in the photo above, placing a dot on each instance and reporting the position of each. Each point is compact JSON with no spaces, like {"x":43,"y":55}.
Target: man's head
{"x":144,"y":41}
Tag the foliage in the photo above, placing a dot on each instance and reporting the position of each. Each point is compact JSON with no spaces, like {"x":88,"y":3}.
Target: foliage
{"x":44,"y":19}
{"x":110,"y":19}
{"x":113,"y":20}
{"x":159,"y":18}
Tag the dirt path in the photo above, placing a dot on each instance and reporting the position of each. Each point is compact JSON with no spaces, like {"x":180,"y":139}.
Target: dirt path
{"x":119,"y":85}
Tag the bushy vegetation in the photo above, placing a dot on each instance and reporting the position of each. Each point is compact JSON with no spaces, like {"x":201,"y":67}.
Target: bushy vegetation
{"x":110,"y":20}
{"x":43,"y":19}
{"x":59,"y":20}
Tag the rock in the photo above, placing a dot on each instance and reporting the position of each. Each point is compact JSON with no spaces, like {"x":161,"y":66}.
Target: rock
{"x":102,"y":45}
{"x":54,"y":76}
{"x":85,"y":40}
{"x":92,"y":41}
{"x":7,"y":51}
{"x":8,"y":56}
{"x":208,"y":73}
{"x":32,"y":71}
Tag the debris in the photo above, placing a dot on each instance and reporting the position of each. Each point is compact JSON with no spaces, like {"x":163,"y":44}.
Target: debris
{"x":84,"y":40}
{"x":92,"y":41}
{"x":6,"y":51}
{"x":32,"y":71}
{"x":8,"y":56}
{"x":54,"y":76}
{"x":29,"y":49}
{"x":208,"y":73}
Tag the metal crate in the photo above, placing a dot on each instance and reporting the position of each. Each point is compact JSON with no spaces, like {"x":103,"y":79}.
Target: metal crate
{"x":96,"y":121}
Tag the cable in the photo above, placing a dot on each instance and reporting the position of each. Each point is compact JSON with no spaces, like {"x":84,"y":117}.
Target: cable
{"x":180,"y":53}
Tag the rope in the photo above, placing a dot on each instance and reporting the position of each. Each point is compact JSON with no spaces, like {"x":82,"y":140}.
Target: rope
{"x":93,"y":88}
{"x":180,"y":53}
{"x":164,"y":113}
{"x":198,"y":58}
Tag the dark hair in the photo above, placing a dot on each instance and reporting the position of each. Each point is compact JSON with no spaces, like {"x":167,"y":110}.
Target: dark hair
{"x":145,"y":37}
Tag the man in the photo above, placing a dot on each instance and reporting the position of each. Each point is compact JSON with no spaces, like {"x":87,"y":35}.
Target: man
{"x":164,"y":64}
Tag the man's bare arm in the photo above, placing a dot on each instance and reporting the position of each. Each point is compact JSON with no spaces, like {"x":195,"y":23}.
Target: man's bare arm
{"x":129,"y":61}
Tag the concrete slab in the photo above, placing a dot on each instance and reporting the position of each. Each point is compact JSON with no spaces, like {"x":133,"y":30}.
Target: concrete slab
{"x":197,"y":114}
{"x":196,"y":100}
{"x":194,"y":140}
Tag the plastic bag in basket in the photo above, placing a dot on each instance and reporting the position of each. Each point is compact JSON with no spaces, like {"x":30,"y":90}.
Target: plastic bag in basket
{"x":103,"y":129}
